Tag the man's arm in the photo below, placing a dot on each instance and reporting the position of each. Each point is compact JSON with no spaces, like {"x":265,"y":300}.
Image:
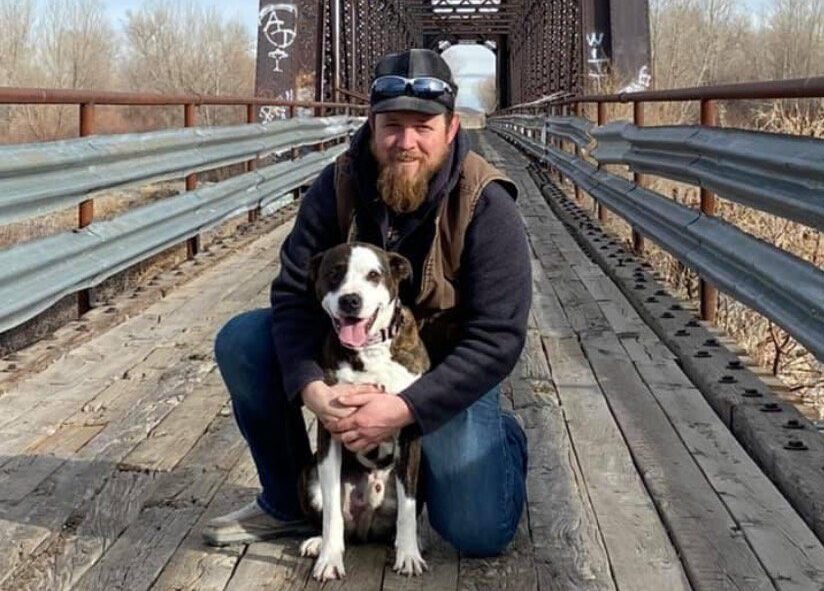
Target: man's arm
{"x":299,"y":325}
{"x":495,"y":295}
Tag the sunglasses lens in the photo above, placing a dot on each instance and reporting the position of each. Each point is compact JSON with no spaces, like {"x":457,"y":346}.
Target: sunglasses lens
{"x":394,"y":86}
{"x":428,"y":88}
{"x":389,"y":87}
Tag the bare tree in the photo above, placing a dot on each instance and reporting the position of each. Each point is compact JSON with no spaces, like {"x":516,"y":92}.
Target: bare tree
{"x":176,"y":47}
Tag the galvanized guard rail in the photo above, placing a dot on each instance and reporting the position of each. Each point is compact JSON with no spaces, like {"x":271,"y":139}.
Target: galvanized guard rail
{"x":35,"y":275}
{"x":37,"y":179}
{"x":779,"y":285}
{"x":779,"y":174}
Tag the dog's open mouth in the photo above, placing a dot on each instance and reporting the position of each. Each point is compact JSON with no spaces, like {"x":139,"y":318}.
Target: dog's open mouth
{"x":353,"y":332}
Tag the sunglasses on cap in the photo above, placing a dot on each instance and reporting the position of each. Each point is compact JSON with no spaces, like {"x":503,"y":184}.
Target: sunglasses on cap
{"x":387,"y":87}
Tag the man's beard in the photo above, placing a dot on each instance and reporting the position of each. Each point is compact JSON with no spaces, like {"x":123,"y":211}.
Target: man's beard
{"x":404,"y":192}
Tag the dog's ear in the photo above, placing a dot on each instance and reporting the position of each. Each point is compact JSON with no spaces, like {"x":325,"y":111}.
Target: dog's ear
{"x":313,"y":270}
{"x":399,"y":265}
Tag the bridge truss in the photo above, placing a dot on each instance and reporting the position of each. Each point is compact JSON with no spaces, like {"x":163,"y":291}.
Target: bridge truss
{"x":542,"y":47}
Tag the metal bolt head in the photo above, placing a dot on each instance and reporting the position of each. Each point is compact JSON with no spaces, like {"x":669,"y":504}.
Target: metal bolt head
{"x":795,"y":445}
{"x":667,"y":315}
{"x":702,"y":354}
{"x":770,"y":407}
{"x":682,"y":333}
{"x":735,"y":364}
{"x":728,"y":380}
{"x":693,"y":323}
{"x":651,"y":299}
{"x":752,"y":393}
{"x":793,"y":424}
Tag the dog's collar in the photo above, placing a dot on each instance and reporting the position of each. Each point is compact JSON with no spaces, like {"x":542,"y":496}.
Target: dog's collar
{"x":387,"y":333}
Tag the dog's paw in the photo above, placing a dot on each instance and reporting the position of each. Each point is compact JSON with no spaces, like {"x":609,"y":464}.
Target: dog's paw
{"x":311,"y":546}
{"x":329,"y":566}
{"x":409,"y":563}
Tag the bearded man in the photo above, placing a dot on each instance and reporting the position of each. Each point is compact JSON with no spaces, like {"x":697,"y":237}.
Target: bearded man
{"x":408,"y":184}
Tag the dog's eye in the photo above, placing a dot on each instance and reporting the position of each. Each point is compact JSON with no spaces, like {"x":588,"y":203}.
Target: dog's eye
{"x":336,"y":276}
{"x":373,"y":276}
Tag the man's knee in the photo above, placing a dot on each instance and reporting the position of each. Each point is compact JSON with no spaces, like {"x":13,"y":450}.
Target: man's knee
{"x":481,"y":537}
{"x":243,"y":338}
{"x":244,"y":352}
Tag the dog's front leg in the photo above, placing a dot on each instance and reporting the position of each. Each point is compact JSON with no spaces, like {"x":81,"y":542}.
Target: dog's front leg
{"x":329,"y":564}
{"x":408,"y":559}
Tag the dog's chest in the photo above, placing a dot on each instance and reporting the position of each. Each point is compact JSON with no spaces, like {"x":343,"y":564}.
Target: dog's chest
{"x":375,"y":365}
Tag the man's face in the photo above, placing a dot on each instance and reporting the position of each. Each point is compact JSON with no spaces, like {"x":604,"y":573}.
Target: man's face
{"x":409,"y":148}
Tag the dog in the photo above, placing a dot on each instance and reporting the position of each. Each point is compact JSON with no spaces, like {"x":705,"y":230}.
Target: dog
{"x":365,"y":496}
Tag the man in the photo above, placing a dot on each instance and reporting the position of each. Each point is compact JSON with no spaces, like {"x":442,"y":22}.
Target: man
{"x":409,"y":184}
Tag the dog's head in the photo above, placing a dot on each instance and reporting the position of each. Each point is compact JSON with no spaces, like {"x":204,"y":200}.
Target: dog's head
{"x":357,"y":285}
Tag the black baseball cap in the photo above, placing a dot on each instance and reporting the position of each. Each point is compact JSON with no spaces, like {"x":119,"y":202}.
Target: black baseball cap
{"x":414,"y":63}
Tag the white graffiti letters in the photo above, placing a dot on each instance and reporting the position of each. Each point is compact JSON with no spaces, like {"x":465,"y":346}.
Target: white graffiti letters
{"x":279,"y":23}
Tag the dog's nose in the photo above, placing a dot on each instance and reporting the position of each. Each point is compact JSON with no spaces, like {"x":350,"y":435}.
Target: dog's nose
{"x":350,"y":303}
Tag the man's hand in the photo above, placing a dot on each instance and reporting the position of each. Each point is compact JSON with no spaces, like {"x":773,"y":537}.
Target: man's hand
{"x":379,"y":416}
{"x":323,"y":400}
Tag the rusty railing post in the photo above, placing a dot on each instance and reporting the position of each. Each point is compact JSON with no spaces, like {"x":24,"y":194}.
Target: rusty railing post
{"x":85,"y":211}
{"x":638,"y":179}
{"x":577,"y":112}
{"x":254,"y":214}
{"x":709,"y":295}
{"x":294,"y":154}
{"x":189,"y":120}
{"x":602,"y":118}
{"x":321,"y":112}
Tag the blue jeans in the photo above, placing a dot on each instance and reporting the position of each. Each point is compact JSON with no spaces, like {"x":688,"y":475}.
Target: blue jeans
{"x":474,"y":466}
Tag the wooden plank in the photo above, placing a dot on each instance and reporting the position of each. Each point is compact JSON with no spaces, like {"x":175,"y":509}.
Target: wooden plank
{"x":514,"y":569}
{"x":197,"y":567}
{"x":176,"y":434}
{"x":21,"y":474}
{"x":785,"y":545}
{"x":92,"y":529}
{"x":135,"y":560}
{"x":567,"y":545}
{"x":697,"y":519}
{"x":271,"y":565}
{"x":622,"y":505}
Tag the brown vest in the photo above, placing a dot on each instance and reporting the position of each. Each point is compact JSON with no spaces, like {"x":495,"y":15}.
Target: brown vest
{"x":437,"y":300}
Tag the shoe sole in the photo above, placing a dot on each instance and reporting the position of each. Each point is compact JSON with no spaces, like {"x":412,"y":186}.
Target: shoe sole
{"x":220,"y":540}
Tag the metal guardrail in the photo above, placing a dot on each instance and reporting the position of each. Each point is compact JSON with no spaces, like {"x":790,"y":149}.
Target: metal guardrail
{"x":36,"y":274}
{"x":780,"y":174}
{"x":572,"y":129}
{"x":779,"y":285}
{"x":39,"y":178}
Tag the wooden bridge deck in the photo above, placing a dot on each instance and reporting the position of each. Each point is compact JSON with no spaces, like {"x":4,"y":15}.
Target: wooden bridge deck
{"x":114,"y":457}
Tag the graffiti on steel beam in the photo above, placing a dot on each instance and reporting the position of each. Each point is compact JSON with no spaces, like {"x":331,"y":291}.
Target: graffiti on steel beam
{"x":269,"y":113}
{"x":279,"y":24}
{"x":641,"y":83}
{"x":597,"y":60}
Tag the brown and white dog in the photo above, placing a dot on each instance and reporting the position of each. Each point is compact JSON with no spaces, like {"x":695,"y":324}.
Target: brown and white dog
{"x":375,"y":341}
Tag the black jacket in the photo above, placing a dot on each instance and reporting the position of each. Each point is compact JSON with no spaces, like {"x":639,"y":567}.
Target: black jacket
{"x":494,"y":286}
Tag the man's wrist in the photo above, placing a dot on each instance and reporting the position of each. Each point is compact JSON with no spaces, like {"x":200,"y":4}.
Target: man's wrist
{"x":409,"y":416}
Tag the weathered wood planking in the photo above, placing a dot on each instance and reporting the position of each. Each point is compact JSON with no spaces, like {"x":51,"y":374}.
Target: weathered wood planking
{"x":714,"y":554}
{"x":180,"y":429}
{"x":789,"y":551}
{"x":38,"y":518}
{"x":622,"y":505}
{"x":567,"y":546}
{"x":135,"y":560}
{"x":197,"y":567}
{"x":640,"y":551}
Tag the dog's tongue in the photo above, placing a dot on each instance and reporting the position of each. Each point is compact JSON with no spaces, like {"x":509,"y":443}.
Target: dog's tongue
{"x":353,"y":333}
